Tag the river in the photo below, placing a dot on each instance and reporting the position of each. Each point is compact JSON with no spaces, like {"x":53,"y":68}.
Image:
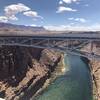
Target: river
{"x":75,"y":84}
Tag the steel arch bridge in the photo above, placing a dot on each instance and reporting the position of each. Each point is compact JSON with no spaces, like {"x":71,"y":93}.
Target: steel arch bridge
{"x":70,"y":43}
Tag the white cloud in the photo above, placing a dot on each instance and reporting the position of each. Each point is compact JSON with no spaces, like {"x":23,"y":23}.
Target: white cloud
{"x":56,"y":28}
{"x":68,"y":1}
{"x":33,"y":25}
{"x":12,"y":17}
{"x":32,"y":14}
{"x":71,"y":18}
{"x":12,"y":10}
{"x":60,"y":2}
{"x":95,"y":27}
{"x":3,"y":19}
{"x":82,"y":20}
{"x":86,"y":5}
{"x":63,"y":9}
{"x":15,"y":8}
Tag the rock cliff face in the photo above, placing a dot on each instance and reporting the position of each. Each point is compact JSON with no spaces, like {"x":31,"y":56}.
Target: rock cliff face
{"x":95,"y":68}
{"x":96,"y":77}
{"x":23,"y":71}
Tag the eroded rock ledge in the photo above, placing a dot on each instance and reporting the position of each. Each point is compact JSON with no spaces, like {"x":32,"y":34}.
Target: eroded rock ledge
{"x":96,"y":78}
{"x":23,"y":71}
{"x":94,"y":68}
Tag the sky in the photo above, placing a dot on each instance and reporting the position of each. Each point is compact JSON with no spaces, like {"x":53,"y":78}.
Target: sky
{"x":52,"y":14}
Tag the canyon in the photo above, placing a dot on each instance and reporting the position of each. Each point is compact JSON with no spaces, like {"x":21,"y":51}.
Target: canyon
{"x":23,"y":71}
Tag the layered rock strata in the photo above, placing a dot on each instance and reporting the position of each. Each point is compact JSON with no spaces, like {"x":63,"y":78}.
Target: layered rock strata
{"x":23,"y":71}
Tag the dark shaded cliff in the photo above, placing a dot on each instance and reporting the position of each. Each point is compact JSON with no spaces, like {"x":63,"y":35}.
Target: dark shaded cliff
{"x":23,"y":71}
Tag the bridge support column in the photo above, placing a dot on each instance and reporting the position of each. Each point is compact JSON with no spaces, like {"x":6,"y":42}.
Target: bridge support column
{"x":91,"y":50}
{"x":91,"y":47}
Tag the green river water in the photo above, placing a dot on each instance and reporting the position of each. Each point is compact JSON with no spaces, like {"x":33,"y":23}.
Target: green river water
{"x":75,"y":84}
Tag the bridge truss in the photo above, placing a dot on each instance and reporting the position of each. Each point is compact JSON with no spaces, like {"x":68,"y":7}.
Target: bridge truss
{"x":72,"y":45}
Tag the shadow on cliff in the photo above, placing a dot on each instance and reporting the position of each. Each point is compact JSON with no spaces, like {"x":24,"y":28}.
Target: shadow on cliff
{"x":15,"y":61}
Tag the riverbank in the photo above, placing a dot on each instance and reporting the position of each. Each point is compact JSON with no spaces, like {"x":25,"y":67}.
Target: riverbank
{"x":96,"y":78}
{"x":59,"y":70}
{"x":94,"y":68}
{"x":74,"y":84}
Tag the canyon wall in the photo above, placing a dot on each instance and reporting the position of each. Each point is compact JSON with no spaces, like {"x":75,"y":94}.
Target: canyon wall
{"x":96,"y":78}
{"x":23,"y":71}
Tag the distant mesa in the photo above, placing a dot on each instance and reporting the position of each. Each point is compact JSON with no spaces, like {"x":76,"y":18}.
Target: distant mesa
{"x":7,"y":28}
{"x":18,"y":30}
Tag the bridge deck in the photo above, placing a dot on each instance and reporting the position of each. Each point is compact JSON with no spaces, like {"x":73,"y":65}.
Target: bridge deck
{"x":63,"y":36}
{"x":51,"y":41}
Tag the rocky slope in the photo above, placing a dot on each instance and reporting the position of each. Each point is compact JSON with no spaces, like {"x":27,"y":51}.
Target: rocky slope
{"x":96,"y":78}
{"x":23,"y":71}
{"x":95,"y":69}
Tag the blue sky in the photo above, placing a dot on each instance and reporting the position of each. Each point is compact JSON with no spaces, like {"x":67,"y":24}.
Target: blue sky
{"x":52,"y":13}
